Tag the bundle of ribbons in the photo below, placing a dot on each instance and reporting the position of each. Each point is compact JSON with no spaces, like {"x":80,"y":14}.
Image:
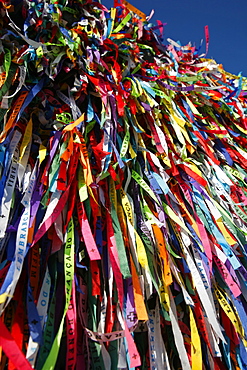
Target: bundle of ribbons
{"x":123,"y":194}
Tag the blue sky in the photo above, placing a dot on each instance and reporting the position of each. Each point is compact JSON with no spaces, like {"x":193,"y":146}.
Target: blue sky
{"x":186,"y":20}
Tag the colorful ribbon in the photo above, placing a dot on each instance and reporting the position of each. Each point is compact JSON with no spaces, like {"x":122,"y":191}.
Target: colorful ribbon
{"x":123,"y":194}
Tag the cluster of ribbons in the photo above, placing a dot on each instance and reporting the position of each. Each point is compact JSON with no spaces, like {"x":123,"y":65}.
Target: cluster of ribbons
{"x":123,"y":194}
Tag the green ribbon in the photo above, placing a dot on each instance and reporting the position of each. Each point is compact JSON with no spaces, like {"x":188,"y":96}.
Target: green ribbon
{"x":122,"y":24}
{"x":7,"y":60}
{"x":69,"y":276}
{"x":8,"y":81}
{"x":144,"y":185}
{"x":97,"y":362}
{"x":124,"y":266}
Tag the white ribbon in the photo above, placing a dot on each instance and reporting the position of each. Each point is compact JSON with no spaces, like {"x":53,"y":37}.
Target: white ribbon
{"x":42,"y":307}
